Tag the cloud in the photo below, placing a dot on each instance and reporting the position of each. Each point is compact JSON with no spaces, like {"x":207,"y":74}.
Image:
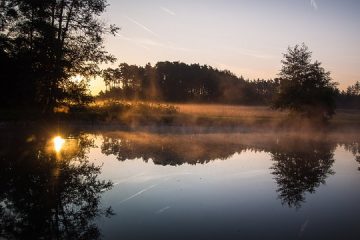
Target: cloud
{"x":168,"y":11}
{"x":314,"y":4}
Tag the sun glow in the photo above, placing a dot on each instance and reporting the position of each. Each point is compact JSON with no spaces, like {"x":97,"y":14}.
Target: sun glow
{"x":58,"y":143}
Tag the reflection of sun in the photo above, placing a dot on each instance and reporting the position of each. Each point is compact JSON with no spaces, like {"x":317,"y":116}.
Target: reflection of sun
{"x":58,"y":143}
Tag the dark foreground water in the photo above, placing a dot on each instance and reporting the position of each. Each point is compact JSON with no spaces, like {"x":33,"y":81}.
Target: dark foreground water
{"x":138,"y":185}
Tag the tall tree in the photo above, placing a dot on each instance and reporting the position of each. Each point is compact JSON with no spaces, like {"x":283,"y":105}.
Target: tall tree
{"x":354,"y":90}
{"x":305,"y":86}
{"x":52,"y":40}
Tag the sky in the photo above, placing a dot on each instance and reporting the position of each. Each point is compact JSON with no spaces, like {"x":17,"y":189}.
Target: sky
{"x":247,"y":37}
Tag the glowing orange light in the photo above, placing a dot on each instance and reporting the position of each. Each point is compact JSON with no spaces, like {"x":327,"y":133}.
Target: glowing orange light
{"x":58,"y":143}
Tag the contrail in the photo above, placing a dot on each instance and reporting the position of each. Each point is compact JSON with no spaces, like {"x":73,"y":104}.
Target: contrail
{"x":132,"y":40}
{"x":142,"y":26}
{"x":303,"y":227}
{"x":138,"y":193}
{"x":162,"y":210}
{"x":167,"y":11}
{"x":141,"y":173}
{"x":314,"y":4}
{"x":249,"y":52}
{"x":145,"y":42}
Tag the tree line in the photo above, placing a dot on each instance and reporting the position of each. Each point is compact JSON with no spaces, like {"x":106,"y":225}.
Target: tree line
{"x":44,"y":44}
{"x":181,"y":82}
{"x":350,"y":98}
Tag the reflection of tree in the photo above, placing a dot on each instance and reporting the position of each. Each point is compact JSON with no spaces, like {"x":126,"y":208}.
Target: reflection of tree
{"x":47,"y":196}
{"x":354,"y":148}
{"x":170,"y":150}
{"x":301,"y":167}
{"x":300,"y":163}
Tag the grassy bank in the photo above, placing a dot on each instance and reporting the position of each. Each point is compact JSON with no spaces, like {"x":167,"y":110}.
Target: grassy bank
{"x":122,"y":112}
{"x":260,"y":115}
{"x":206,"y":115}
{"x":135,"y":114}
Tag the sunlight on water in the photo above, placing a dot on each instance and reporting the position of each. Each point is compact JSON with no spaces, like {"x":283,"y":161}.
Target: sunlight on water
{"x":58,"y":143}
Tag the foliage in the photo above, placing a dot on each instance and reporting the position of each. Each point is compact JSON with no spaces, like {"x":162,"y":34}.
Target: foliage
{"x":350,"y":98}
{"x":305,"y":87}
{"x":124,"y":112}
{"x":180,"y":82}
{"x":354,"y":90}
{"x":44,"y":44}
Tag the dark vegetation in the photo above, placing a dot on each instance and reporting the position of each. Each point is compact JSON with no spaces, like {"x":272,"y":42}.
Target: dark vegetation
{"x":123,"y":112}
{"x":302,"y":86}
{"x":180,"y":82}
{"x":45,"y":44}
{"x":305,"y":87}
{"x":350,"y":98}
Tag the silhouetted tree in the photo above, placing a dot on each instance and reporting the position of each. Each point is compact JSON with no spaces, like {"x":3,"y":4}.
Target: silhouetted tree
{"x":354,"y":89}
{"x":305,"y":87}
{"x":43,"y":44}
{"x":350,"y":98}
{"x":180,"y":82}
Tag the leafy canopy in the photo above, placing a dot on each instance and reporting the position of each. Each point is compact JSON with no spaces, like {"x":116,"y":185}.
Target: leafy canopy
{"x":305,"y":86}
{"x":44,"y":44}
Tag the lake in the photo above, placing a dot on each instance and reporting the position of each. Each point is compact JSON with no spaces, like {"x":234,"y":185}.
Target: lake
{"x":179,"y":184}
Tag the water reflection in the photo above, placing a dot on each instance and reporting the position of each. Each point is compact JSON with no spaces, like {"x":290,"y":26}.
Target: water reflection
{"x":300,"y":167}
{"x":44,"y":198}
{"x":174,"y":149}
{"x":354,"y":148}
{"x":49,"y":189}
{"x":58,"y":143}
{"x":301,"y":163}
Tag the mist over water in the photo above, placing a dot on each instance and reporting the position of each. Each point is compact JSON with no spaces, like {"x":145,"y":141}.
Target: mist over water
{"x":180,"y":184}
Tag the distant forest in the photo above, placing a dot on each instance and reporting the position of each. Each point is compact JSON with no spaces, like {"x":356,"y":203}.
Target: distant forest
{"x":181,"y":82}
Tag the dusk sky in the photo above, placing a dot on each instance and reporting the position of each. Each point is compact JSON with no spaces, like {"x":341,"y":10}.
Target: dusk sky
{"x":246,"y":37}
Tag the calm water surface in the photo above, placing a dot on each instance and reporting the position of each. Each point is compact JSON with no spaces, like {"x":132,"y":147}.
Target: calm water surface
{"x":137,"y":185}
